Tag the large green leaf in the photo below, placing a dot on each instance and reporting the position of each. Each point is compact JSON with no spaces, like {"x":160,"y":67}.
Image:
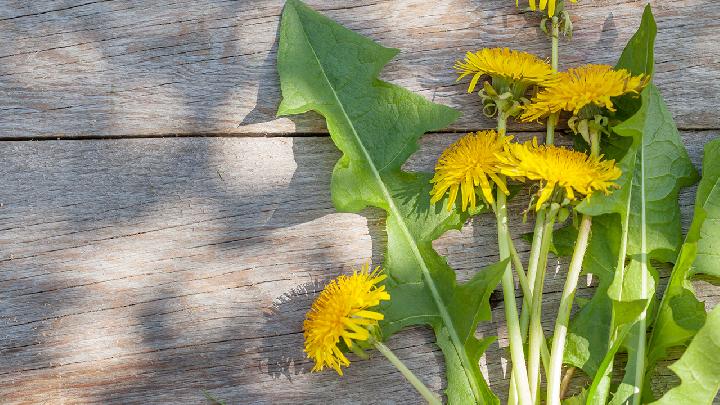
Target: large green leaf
{"x":333,"y":71}
{"x":655,"y":168}
{"x":592,"y":329}
{"x":637,"y":223}
{"x":680,"y":314}
{"x":699,"y":367}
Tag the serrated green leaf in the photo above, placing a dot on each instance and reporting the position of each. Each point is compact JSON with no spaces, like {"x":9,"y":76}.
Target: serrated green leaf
{"x":655,"y":165}
{"x":680,"y":314}
{"x":329,"y":69}
{"x":592,"y":329}
{"x":655,"y":168}
{"x":699,"y":367}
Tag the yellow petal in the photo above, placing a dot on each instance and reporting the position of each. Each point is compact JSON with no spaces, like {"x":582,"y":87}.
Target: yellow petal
{"x":545,"y":195}
{"x":486,"y":190}
{"x":473,"y":82}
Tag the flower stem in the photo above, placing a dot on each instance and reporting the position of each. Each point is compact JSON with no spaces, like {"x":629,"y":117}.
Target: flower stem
{"x":568,"y":295}
{"x":537,"y":338}
{"x":555,"y":43}
{"x":429,"y":396}
{"x":552,"y":119}
{"x":511,"y":315}
{"x":522,"y":278}
{"x":563,"y":318}
{"x":517,"y":354}
{"x":533,"y":262}
{"x":527,"y":300}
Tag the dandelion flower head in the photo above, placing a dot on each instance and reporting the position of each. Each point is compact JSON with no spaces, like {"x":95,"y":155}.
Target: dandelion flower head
{"x":575,"y":172}
{"x":343,"y":311}
{"x":506,"y":64}
{"x":577,"y":88}
{"x":470,"y":162}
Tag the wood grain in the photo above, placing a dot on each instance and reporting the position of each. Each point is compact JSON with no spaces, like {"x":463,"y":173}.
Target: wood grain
{"x":149,"y":270}
{"x":80,"y":68}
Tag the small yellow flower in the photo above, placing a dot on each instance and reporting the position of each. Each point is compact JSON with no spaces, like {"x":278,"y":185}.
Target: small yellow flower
{"x":550,"y":4}
{"x":577,"y":88}
{"x":510,"y":65}
{"x":468,"y":163}
{"x":573,"y":171}
{"x":341,"y":311}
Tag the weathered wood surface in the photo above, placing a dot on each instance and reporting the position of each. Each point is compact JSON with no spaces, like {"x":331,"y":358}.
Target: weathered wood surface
{"x":148,"y":270}
{"x":137,"y":67}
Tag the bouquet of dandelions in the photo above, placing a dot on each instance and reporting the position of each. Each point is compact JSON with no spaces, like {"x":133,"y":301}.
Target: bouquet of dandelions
{"x":611,"y":204}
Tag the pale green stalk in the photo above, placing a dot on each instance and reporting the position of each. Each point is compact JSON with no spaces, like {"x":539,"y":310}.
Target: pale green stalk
{"x":517,"y":354}
{"x":429,"y":396}
{"x":538,"y":255}
{"x":537,"y":337}
{"x":555,"y":43}
{"x":533,"y":262}
{"x":568,"y":295}
{"x":527,"y":299}
{"x":555,"y":63}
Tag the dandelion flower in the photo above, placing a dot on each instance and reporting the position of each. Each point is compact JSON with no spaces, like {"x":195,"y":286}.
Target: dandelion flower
{"x":550,"y":4}
{"x":470,"y":162}
{"x":342,"y":311}
{"x":573,"y":171}
{"x":587,"y":85}
{"x":509,"y":65}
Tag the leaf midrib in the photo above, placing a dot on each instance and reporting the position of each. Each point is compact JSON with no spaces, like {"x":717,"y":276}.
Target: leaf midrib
{"x":447,"y":320}
{"x":642,"y":335}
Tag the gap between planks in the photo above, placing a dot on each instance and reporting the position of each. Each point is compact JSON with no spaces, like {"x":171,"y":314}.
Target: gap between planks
{"x":261,"y":135}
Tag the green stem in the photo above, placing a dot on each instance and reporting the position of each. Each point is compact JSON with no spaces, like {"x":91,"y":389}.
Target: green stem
{"x":550,"y":134}
{"x":568,"y":295}
{"x":533,"y":262}
{"x":563,"y":316}
{"x":501,"y":121}
{"x":517,"y":354}
{"x":555,"y":43}
{"x":522,"y":278}
{"x":527,"y":296}
{"x":429,"y":396}
{"x":511,"y":315}
{"x":537,"y":337}
{"x":555,"y":36}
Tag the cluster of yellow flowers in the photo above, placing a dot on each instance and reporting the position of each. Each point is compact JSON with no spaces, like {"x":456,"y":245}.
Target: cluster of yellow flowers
{"x":486,"y":158}
{"x":483,"y":158}
{"x":565,"y":91}
{"x":578,"y":88}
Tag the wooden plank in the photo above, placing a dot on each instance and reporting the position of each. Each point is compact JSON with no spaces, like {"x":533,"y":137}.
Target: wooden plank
{"x":109,"y":68}
{"x":149,"y":270}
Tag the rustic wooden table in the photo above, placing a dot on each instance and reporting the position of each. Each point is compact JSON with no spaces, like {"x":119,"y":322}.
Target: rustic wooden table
{"x":162,"y":233}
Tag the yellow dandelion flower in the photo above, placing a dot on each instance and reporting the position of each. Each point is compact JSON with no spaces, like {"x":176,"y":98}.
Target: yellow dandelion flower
{"x":507,"y":64}
{"x":573,"y":171}
{"x":469,"y":162}
{"x":550,"y":4}
{"x":341,"y":311}
{"x":577,"y":88}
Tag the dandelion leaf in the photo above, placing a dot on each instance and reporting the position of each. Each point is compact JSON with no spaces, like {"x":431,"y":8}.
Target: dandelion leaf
{"x":699,"y":367}
{"x":333,"y":71}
